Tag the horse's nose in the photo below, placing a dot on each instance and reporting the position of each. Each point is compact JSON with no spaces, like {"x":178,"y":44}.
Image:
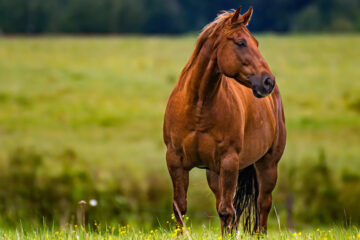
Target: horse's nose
{"x":268,"y":82}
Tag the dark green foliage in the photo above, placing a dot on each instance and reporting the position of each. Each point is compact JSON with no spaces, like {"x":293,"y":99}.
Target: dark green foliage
{"x":318,"y":193}
{"x":171,"y":16}
{"x":350,"y":192}
{"x":335,"y":15}
{"x":33,"y":188}
{"x":354,"y":105}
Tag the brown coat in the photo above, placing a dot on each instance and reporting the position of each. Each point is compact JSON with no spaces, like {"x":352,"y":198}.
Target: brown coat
{"x":225,"y":114}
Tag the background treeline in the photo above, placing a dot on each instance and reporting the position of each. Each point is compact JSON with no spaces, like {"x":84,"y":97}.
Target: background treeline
{"x":172,"y":16}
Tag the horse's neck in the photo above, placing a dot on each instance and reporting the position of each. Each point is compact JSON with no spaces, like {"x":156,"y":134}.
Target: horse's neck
{"x":203,"y":78}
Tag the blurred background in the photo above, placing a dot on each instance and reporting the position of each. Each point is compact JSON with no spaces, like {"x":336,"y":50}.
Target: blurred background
{"x":83,"y":89}
{"x":172,"y":16}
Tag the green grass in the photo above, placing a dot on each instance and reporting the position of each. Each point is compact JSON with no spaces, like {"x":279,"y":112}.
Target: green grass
{"x":104,"y":98}
{"x":127,"y":232}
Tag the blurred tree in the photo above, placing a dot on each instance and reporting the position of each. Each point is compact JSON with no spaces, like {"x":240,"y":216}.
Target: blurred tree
{"x":308,"y":19}
{"x":172,"y":16}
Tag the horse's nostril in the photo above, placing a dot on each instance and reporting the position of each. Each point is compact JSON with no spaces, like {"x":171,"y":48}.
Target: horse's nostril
{"x":267,"y":82}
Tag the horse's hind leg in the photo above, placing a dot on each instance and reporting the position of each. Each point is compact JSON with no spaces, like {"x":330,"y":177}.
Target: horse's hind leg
{"x":180,"y":180}
{"x":266,"y":172}
{"x":227,"y":185}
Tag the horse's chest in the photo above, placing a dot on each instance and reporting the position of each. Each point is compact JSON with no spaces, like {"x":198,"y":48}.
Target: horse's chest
{"x":205,"y":136}
{"x":200,"y":149}
{"x":251,"y":140}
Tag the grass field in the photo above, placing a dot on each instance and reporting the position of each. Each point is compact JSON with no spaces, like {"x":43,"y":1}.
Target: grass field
{"x":105,"y":97}
{"x":126,"y":232}
{"x":102,"y":99}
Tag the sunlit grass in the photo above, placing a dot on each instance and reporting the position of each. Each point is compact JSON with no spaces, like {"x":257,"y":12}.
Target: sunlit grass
{"x":106,"y":96}
{"x":128,"y":232}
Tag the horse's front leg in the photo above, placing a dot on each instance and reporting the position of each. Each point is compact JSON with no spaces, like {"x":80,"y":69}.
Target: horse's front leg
{"x":213,"y":181}
{"x":229,"y":168}
{"x":266,"y":172}
{"x":180,"y":180}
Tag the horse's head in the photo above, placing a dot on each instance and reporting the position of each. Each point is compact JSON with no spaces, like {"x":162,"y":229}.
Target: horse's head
{"x":239,"y":57}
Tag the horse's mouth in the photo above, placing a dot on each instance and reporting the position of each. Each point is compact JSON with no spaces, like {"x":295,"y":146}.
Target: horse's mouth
{"x":260,"y":94}
{"x":245,"y":82}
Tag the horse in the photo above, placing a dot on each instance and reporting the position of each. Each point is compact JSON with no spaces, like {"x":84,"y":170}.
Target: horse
{"x":225,"y":115}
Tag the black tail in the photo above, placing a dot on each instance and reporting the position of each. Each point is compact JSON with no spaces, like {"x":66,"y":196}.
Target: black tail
{"x":245,"y":200}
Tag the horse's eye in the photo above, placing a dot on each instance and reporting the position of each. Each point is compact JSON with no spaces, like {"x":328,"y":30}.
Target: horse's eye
{"x":241,"y":43}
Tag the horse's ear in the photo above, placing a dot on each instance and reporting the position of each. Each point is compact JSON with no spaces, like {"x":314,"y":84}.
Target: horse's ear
{"x":247,"y":16}
{"x":236,"y":15}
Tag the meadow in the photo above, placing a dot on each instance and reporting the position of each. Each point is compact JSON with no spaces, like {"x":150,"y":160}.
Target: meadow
{"x":81,"y":118}
{"x":127,"y":232}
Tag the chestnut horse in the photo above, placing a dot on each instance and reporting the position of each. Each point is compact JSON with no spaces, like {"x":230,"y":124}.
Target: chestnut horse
{"x":225,"y":115}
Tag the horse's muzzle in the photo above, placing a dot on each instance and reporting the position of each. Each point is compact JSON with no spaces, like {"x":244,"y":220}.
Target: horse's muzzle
{"x":263,"y":86}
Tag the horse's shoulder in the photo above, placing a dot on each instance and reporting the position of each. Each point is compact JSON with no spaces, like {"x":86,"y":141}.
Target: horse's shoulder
{"x":235,"y":90}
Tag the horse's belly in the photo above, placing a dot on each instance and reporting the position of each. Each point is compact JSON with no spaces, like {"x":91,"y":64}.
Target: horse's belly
{"x":257,"y":143}
{"x":252,"y":153}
